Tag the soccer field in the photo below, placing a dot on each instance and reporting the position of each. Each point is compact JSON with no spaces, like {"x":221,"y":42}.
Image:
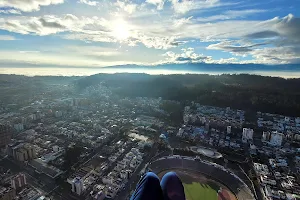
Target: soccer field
{"x":198,"y":187}
{"x":197,"y":191}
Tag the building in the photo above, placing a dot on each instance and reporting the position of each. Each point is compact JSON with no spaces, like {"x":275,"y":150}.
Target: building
{"x":278,"y":163}
{"x":22,"y":152}
{"x":5,"y":135}
{"x":228,"y":129}
{"x":77,"y":185}
{"x":18,"y":181}
{"x":124,"y":174}
{"x":7,"y":193}
{"x":266,"y":136}
{"x":274,"y":139}
{"x":58,"y":114}
{"x":19,"y":127}
{"x":266,"y":180}
{"x":247,"y":135}
{"x":273,"y":193}
{"x":261,"y":169}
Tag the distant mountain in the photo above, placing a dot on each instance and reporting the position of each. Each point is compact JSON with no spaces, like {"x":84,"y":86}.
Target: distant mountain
{"x":194,"y":67}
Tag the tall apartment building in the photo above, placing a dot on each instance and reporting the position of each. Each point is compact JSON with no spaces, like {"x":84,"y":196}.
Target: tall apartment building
{"x":18,"y":181}
{"x":22,"y":152}
{"x":5,"y":135}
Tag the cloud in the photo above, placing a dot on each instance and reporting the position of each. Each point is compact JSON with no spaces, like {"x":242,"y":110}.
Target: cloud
{"x":126,"y":6}
{"x":93,"y":51}
{"x":262,"y":34}
{"x":185,"y":6}
{"x":287,"y":27}
{"x":158,"y":3}
{"x":10,"y":11}
{"x":28,"y":5}
{"x":188,"y":55}
{"x":157,"y":42}
{"x":237,"y":37}
{"x":225,"y":61}
{"x":234,"y":47}
{"x":277,"y":55}
{"x":182,"y":6}
{"x":231,"y":14}
{"x":29,"y":51}
{"x":283,"y":36}
{"x":46,"y":25}
{"x":50,"y":24}
{"x":90,"y":3}
{"x":7,"y":37}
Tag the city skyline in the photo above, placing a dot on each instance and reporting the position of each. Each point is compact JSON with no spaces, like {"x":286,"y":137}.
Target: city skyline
{"x":87,"y":33}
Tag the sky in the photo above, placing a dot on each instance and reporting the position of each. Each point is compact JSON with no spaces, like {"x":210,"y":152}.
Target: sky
{"x":99,"y":33}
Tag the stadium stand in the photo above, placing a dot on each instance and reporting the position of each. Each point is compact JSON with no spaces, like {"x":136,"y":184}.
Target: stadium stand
{"x":209,"y":169}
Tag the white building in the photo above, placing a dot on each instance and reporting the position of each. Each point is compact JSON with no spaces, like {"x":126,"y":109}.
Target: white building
{"x":228,"y":129}
{"x":266,"y":136}
{"x":276,"y":138}
{"x":77,"y":185}
{"x":124,"y":174}
{"x":267,"y":180}
{"x":286,"y":119}
{"x":247,"y":134}
{"x":180,"y":132}
{"x":261,"y":169}
{"x":56,"y":148}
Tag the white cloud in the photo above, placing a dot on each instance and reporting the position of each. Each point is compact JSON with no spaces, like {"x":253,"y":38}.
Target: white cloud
{"x":225,"y":60}
{"x":45,"y":25}
{"x":182,"y":6}
{"x":277,"y":55}
{"x":126,"y":6}
{"x":7,"y":37}
{"x":231,"y":14}
{"x":182,"y":21}
{"x":90,"y":3}
{"x":10,"y":11}
{"x":188,"y":55}
{"x":28,"y":5}
{"x":158,"y":3}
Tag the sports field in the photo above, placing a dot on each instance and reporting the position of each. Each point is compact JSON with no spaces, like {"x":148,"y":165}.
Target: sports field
{"x":198,"y":187}
{"x":197,"y":191}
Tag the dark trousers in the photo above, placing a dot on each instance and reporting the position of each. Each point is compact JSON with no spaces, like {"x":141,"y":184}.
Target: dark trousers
{"x":150,"y":188}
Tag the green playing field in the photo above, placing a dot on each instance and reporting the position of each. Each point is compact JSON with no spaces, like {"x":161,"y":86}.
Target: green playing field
{"x":197,"y":191}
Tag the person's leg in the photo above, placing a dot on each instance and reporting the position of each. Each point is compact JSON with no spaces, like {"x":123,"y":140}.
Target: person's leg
{"x":148,"y":188}
{"x":172,"y":187}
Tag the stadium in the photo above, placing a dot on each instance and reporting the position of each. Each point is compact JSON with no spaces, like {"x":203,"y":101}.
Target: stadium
{"x":189,"y":166}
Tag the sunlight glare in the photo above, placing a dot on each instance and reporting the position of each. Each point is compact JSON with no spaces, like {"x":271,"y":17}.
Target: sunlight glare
{"x":120,"y":29}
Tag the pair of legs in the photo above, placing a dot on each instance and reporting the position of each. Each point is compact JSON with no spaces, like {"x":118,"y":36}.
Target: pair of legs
{"x":150,"y":188}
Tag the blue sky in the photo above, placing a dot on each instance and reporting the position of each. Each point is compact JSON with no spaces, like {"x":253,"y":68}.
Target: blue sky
{"x":88,"y":33}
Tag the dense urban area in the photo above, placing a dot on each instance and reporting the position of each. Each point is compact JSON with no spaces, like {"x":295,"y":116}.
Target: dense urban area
{"x":94,"y":137}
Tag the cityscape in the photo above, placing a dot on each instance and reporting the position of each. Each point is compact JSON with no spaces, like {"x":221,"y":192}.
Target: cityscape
{"x":149,"y":100}
{"x":58,"y":142}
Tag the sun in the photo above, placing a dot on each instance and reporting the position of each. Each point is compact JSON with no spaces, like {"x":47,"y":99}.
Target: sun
{"x":120,"y":29}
